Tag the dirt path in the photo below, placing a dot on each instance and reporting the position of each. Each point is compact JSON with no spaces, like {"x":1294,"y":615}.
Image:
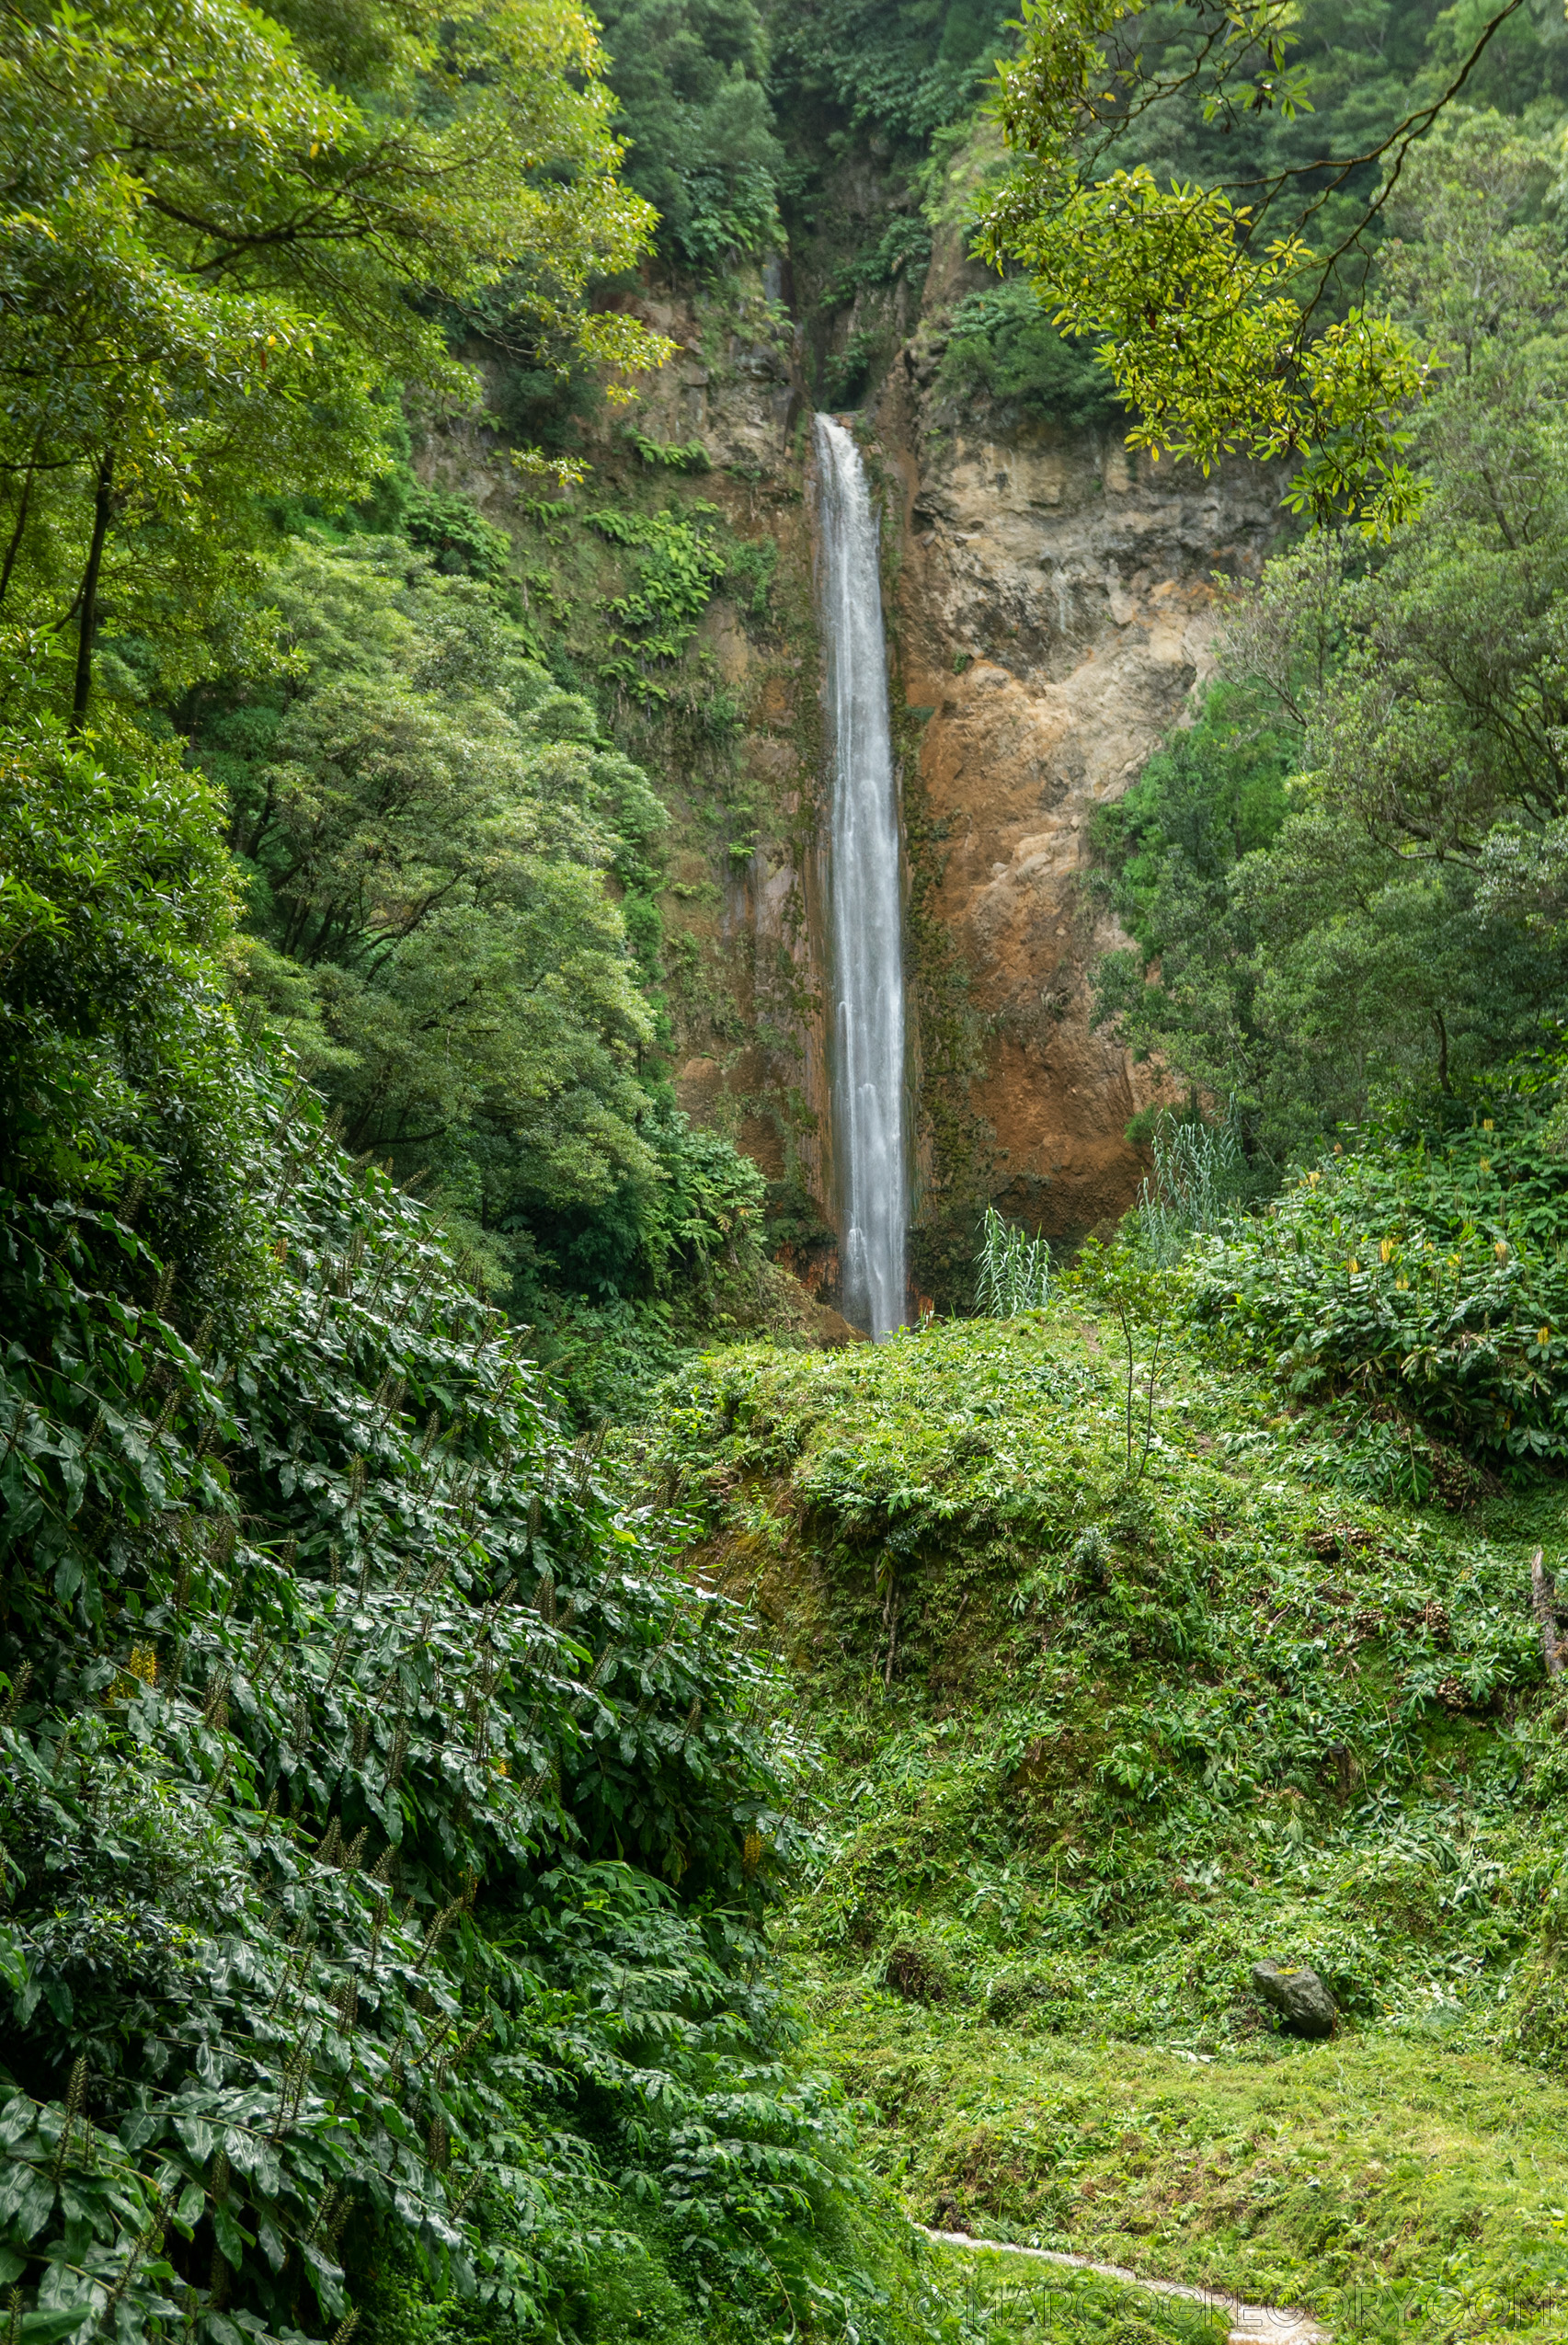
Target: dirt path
{"x":1250,"y":2324}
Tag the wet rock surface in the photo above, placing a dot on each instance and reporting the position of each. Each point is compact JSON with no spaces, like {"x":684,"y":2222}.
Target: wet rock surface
{"x":1057,"y":607}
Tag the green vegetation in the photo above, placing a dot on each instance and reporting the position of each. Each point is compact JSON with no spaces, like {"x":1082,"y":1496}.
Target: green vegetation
{"x":461,"y":1883}
{"x":1175,"y":193}
{"x":209,"y":298}
{"x":427,"y":818}
{"x":695,"y":112}
{"x":388,"y":1832}
{"x":1013,"y":1270}
{"x":678,"y":566}
{"x":988,"y":2297}
{"x":450,"y":871}
{"x":849,"y":67}
{"x":1342,"y":880}
{"x":1002,"y":342}
{"x":385,"y":1831}
{"x":678,"y":456}
{"x":1425,"y":1273}
{"x":1095,"y":1740}
{"x":428,"y":824}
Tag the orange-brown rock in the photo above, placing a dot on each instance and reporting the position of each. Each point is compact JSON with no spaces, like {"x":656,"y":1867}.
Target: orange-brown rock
{"x":1056,"y":607}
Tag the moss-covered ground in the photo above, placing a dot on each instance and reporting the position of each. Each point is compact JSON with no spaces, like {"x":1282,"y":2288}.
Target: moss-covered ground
{"x":1103,"y":1719}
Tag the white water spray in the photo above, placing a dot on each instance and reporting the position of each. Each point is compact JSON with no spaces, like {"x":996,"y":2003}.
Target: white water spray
{"x":868,"y":958}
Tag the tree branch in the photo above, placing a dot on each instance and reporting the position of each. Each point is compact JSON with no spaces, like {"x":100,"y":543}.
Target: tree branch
{"x":87,"y":624}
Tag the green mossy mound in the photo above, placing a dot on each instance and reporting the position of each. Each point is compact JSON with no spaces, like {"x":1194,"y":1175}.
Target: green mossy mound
{"x":1097,"y":1736}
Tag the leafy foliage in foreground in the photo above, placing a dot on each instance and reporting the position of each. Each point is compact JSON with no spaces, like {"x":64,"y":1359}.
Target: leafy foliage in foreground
{"x":349,"y":1732}
{"x":384,"y":1835}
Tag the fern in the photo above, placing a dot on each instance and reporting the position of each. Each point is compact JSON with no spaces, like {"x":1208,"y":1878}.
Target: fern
{"x":676,"y":456}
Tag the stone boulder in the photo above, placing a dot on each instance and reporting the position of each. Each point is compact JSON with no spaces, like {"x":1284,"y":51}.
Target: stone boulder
{"x":834,"y":1331}
{"x":1304,"y":2004}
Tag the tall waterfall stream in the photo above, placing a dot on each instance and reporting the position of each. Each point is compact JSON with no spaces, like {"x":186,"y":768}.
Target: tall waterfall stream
{"x":867,"y":912}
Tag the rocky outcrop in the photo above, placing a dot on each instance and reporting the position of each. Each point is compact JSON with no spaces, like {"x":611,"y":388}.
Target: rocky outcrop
{"x":1056,"y":607}
{"x":1304,"y":2004}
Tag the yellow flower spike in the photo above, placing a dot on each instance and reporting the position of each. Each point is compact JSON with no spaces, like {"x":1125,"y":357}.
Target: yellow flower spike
{"x":1486,"y":1164}
{"x":1387,"y":1249}
{"x":1353,"y":1265}
{"x":1402,"y":1285}
{"x":1501,"y":1250}
{"x":1544,"y":1337}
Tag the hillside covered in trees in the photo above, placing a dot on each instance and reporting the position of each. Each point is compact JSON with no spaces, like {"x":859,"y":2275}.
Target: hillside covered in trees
{"x":550,"y":1791}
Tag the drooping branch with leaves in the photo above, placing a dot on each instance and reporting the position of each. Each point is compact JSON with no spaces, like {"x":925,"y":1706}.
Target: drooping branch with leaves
{"x":1227,"y":318}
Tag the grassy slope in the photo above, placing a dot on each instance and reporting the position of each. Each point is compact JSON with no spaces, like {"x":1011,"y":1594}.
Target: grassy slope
{"x":1137,"y":1735}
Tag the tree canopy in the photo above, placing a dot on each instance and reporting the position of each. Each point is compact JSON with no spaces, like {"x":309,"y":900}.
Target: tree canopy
{"x":701,"y":145}
{"x":226,"y":240}
{"x":429,"y":821}
{"x":1223,"y":271}
{"x":1344,"y":879}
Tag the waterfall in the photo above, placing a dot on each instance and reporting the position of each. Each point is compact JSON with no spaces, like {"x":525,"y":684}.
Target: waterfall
{"x":867,"y":918}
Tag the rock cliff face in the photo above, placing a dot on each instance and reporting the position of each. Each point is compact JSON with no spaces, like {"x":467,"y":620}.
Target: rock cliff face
{"x":1051,"y":607}
{"x":1055,"y":602}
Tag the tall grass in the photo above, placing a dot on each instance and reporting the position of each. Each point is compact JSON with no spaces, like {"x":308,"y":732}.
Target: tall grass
{"x":1013,"y":1270}
{"x":1193,"y":1183}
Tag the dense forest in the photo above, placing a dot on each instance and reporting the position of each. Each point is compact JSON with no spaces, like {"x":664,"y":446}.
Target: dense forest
{"x":550,"y":1791}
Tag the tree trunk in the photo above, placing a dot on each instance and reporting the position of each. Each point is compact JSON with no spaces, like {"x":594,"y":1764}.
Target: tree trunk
{"x":14,"y":547}
{"x":1543,"y":1596}
{"x":87,"y":623}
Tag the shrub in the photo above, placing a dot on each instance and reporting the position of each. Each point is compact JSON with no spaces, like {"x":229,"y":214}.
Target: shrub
{"x":350,"y":1730}
{"x":916,"y":1974}
{"x":1423,"y":1270}
{"x":1197,"y":1169}
{"x":382,"y":1846}
{"x":1013,"y":1270}
{"x":1002,"y":342}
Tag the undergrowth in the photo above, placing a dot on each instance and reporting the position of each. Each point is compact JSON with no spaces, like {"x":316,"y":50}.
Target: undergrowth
{"x":1424,"y":1271}
{"x":385,"y":1834}
{"x":1096,"y":1741}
